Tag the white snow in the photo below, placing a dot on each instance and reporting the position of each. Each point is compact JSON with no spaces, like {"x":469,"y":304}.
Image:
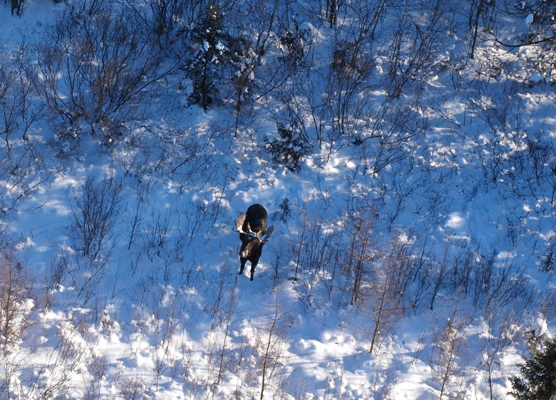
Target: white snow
{"x":529,"y":20}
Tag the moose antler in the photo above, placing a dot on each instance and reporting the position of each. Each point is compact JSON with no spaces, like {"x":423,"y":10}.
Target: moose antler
{"x":269,"y":233}
{"x":239,"y":224}
{"x":253,"y":233}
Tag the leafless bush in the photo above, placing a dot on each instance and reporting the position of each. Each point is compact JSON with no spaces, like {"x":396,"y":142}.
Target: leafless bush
{"x":95,"y":64}
{"x":198,"y":218}
{"x":530,"y":168}
{"x":136,"y":222}
{"x":486,"y":282}
{"x":53,"y":374}
{"x":60,"y":267}
{"x":21,"y":173}
{"x":413,"y":51}
{"x":47,"y":376}
{"x":132,"y":388}
{"x":448,"y":344}
{"x":11,"y":364}
{"x":170,"y":19}
{"x":302,"y":107}
{"x":501,"y":326}
{"x":384,"y":289}
{"x":479,"y":279}
{"x":157,"y":233}
{"x":317,"y":252}
{"x":167,"y":320}
{"x":500,"y":285}
{"x":502,"y":110}
{"x":344,"y":103}
{"x":94,"y":213}
{"x":97,"y":370}
{"x":421,"y":283}
{"x":18,"y":110}
{"x":479,"y":11}
{"x":271,"y":346}
{"x":438,"y":272}
{"x":350,"y":80}
{"x":220,"y":328}
{"x":15,"y":301}
{"x":250,"y":44}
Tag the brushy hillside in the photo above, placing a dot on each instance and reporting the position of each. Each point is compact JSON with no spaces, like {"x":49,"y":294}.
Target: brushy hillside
{"x":405,"y":152}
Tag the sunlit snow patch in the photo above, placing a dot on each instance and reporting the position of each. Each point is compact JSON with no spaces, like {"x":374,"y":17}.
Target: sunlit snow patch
{"x":529,"y":19}
{"x":455,"y":221}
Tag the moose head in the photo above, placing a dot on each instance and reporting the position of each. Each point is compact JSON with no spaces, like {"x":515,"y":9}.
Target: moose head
{"x":253,"y":234}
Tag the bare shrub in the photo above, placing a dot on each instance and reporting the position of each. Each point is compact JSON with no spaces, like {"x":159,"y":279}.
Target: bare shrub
{"x":136,"y":222}
{"x":132,"y":388}
{"x":352,"y":63}
{"x":359,"y":253}
{"x":222,"y":322}
{"x":448,"y":344}
{"x":271,"y":347}
{"x":52,"y":375}
{"x":21,"y":173}
{"x":438,"y":272}
{"x":167,"y":320}
{"x":485,"y":282}
{"x":414,"y":49}
{"x":25,"y":373}
{"x":501,"y":326}
{"x":157,"y":233}
{"x":97,"y":370}
{"x":170,"y":19}
{"x":302,"y":107}
{"x":384,"y":289}
{"x":317,"y":253}
{"x":477,"y":9}
{"x":95,"y":64}
{"x":249,"y":48}
{"x":17,"y":102}
{"x":15,"y":302}
{"x":60,"y":266}
{"x":531,"y":168}
{"x":94,"y":214}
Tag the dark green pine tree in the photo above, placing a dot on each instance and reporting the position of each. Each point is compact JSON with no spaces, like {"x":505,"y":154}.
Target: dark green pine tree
{"x":210,"y":53}
{"x":538,"y":375}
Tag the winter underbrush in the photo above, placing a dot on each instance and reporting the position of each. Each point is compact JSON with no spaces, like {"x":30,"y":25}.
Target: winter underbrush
{"x":405,"y":158}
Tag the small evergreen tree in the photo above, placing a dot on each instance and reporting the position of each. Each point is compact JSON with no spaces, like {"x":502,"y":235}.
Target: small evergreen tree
{"x":538,"y":375}
{"x":210,"y":53}
{"x":290,"y":148}
{"x":285,"y":212}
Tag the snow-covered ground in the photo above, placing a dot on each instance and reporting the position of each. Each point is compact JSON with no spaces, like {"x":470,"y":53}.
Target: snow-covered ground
{"x":412,"y":256}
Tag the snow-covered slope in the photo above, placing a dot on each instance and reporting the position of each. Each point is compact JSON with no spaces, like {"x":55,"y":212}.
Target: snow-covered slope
{"x":413,"y":251}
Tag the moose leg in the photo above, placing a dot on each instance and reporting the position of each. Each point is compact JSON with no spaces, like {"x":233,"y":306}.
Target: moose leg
{"x":16,"y":6}
{"x":253,"y":265}
{"x":242,"y":266}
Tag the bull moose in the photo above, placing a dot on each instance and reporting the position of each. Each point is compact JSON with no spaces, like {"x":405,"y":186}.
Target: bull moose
{"x":253,"y":234}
